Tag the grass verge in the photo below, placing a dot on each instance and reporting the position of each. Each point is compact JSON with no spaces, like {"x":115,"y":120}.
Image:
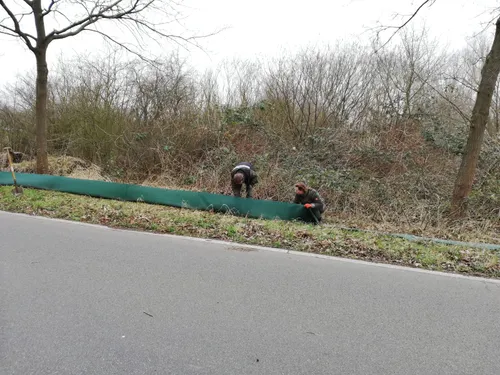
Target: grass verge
{"x":327,"y":239}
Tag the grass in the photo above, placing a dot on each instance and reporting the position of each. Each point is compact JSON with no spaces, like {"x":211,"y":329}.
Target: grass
{"x":327,"y":239}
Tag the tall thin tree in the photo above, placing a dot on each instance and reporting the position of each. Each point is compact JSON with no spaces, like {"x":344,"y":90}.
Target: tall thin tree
{"x":76,"y":17}
{"x":478,"y":120}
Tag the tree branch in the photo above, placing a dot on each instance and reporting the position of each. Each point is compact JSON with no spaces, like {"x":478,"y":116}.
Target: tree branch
{"x":150,"y":27}
{"x":94,"y":17}
{"x":9,"y":32}
{"x":17,"y":28}
{"x":49,"y":9}
{"x":398,"y":28}
{"x":57,"y":11}
{"x":122,"y":45}
{"x":444,"y":97}
{"x":463,"y":82}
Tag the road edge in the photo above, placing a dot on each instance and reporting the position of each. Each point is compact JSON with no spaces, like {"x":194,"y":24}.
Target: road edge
{"x":261,"y":248}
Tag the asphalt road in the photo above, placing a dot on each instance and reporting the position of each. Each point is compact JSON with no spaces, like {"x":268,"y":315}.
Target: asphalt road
{"x":78,"y":299}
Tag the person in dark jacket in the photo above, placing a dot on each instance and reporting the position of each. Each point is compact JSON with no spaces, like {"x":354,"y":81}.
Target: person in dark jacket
{"x":310,"y":198}
{"x":243,"y":173}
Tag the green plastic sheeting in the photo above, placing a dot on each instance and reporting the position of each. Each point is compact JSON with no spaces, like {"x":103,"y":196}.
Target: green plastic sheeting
{"x":176,"y":198}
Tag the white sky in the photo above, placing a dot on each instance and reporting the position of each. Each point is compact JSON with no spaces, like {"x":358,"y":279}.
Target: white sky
{"x":262,"y":28}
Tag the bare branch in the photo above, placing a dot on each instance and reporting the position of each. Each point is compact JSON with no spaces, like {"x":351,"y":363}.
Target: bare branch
{"x":456,"y":107}
{"x":398,"y":28}
{"x":78,"y":26}
{"x":17,"y":28}
{"x":491,"y":21}
{"x":9,"y":32}
{"x":125,"y":47}
{"x":463,"y":82}
{"x":150,"y":27}
{"x":56,"y":11}
{"x":49,"y":9}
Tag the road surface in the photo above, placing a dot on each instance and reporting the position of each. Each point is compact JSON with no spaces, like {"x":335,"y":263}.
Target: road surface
{"x":81,"y":299}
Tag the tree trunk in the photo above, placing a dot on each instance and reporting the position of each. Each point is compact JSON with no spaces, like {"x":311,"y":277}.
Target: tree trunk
{"x":478,"y":122}
{"x":42,"y":162}
{"x":42,"y":72}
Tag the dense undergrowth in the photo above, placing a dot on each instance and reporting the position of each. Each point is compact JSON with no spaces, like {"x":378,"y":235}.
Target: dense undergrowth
{"x":379,"y":136}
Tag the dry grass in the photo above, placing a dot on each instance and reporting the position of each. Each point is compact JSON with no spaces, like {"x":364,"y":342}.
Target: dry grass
{"x":390,"y":204}
{"x":65,"y":166}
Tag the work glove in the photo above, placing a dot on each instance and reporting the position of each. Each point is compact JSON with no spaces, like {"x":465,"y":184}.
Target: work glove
{"x":309,"y":205}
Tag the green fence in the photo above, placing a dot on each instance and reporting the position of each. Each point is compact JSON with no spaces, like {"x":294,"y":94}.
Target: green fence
{"x":253,"y":208}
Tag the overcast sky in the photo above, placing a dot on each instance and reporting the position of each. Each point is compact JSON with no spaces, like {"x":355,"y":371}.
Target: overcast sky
{"x":262,"y":28}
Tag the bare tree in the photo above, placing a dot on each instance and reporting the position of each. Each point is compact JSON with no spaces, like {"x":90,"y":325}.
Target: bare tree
{"x":478,"y":120}
{"x":71,"y":18}
{"x":314,"y":90}
{"x":405,"y":73}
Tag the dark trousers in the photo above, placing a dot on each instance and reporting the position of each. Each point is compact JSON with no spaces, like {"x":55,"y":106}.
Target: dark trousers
{"x":237,"y":189}
{"x":317,"y":214}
